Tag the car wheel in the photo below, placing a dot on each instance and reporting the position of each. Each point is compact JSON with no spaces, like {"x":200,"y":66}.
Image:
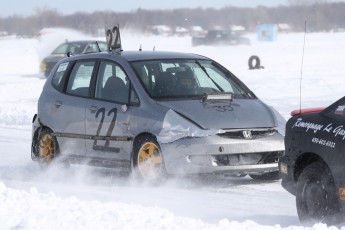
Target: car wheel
{"x":266,"y":176}
{"x":148,"y":161}
{"x":47,"y":148}
{"x":316,"y":199}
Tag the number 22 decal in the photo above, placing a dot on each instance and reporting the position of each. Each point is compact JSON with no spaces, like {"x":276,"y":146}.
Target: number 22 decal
{"x":105,"y":147}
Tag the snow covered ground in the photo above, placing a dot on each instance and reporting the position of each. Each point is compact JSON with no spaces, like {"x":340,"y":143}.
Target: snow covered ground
{"x":82,"y":197}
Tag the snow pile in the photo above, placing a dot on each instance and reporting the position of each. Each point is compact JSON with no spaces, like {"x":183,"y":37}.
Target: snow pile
{"x":33,"y":210}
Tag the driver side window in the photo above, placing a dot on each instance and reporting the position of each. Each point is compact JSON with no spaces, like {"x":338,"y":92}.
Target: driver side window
{"x":112,"y":83}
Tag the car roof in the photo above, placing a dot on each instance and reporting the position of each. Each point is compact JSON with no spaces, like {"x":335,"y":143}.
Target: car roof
{"x":140,"y":55}
{"x":81,"y":42}
{"x":152,"y":55}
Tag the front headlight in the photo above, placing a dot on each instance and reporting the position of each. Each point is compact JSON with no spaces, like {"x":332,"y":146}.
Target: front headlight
{"x":281,"y":122}
{"x":43,"y":66}
{"x":283,"y":168}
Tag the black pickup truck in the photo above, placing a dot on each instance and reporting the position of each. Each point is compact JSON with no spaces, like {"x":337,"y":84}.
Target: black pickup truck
{"x":220,"y":37}
{"x":313,"y":167}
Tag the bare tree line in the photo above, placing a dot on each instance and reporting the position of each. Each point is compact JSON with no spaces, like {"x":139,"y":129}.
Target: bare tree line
{"x":321,"y":16}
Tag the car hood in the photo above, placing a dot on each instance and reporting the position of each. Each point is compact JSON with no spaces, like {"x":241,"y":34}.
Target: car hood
{"x":238,"y":114}
{"x":54,"y":57}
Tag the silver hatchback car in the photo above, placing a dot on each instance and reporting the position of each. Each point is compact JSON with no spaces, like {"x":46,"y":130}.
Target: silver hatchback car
{"x":155,"y":113}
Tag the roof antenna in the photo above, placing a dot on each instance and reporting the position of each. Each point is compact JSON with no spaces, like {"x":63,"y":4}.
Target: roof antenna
{"x":300,"y":80}
{"x":140,"y":48}
{"x":154,"y":48}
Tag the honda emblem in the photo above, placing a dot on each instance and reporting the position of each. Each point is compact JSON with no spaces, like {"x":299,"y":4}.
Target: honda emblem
{"x":247,"y":134}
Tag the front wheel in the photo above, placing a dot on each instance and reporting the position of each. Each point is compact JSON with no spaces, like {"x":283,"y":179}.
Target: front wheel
{"x":316,"y":198}
{"x":148,"y":161}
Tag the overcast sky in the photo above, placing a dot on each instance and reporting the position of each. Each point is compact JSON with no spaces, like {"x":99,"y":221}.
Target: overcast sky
{"x":28,"y":7}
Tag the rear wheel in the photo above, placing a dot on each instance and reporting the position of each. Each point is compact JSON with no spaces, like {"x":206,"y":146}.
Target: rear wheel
{"x":316,"y":198}
{"x":148,"y":159}
{"x":47,"y":148}
{"x":266,"y":176}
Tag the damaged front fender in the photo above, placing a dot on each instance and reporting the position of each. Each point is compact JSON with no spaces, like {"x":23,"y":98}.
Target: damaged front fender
{"x":175,"y":127}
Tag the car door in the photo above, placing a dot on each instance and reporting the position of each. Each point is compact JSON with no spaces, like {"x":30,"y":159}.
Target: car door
{"x":108,"y":115}
{"x":69,"y":109}
{"x":332,"y":136}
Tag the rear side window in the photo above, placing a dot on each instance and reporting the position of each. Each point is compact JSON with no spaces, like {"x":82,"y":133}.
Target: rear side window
{"x":57,"y":79}
{"x":80,"y":78}
{"x":338,"y":112}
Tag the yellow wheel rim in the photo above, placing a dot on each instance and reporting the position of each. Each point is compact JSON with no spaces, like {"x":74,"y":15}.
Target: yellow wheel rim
{"x":150,"y":161}
{"x":46,"y":148}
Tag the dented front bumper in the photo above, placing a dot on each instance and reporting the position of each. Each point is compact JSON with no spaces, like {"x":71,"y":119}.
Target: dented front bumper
{"x":217,"y":154}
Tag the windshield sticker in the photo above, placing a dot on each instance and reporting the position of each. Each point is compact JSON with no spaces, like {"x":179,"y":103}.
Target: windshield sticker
{"x":62,"y":67}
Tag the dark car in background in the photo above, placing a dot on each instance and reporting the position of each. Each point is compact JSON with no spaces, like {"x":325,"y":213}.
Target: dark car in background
{"x":313,"y":166}
{"x":220,"y":37}
{"x":71,"y":47}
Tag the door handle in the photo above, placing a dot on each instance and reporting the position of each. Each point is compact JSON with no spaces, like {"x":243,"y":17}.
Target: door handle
{"x":93,"y":109}
{"x":58,"y":104}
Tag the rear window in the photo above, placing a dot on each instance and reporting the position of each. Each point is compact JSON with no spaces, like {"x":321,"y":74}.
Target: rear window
{"x":338,"y":112}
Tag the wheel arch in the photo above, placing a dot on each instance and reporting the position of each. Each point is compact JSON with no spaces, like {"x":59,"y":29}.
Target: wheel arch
{"x":304,"y":160}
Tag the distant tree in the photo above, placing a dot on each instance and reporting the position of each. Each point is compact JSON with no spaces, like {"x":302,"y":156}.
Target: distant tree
{"x":305,"y":2}
{"x":322,"y":15}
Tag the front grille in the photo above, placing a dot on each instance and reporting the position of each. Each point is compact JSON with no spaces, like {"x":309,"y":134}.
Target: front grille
{"x":248,"y":134}
{"x":248,"y":158}
{"x":272,"y":157}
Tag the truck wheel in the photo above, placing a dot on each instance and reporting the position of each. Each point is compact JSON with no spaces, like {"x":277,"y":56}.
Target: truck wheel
{"x":316,"y":198}
{"x":47,"y":148}
{"x":148,"y":161}
{"x":267,"y":176}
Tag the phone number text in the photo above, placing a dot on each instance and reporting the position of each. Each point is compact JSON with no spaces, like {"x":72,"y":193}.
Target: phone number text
{"x":323,"y":142}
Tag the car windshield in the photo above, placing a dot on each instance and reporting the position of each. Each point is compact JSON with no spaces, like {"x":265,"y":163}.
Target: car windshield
{"x":74,"y":48}
{"x":171,"y":79}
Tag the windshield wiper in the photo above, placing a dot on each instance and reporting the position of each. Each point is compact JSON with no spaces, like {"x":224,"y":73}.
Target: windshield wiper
{"x":205,"y":71}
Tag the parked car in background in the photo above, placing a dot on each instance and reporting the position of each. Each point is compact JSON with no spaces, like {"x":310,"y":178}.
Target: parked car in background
{"x":72,"y":47}
{"x":313,"y":165}
{"x":220,"y":37}
{"x":154,"y":113}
